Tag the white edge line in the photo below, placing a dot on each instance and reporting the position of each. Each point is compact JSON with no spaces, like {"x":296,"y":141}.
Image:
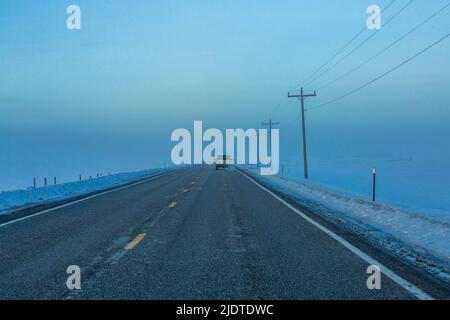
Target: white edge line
{"x":418,"y":293}
{"x":82,"y":199}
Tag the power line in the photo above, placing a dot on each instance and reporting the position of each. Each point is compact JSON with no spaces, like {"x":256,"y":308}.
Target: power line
{"x":282,"y":102}
{"x":333,"y":56}
{"x":386,"y":48}
{"x":340,"y":50}
{"x":380,"y":76}
{"x":361,"y":44}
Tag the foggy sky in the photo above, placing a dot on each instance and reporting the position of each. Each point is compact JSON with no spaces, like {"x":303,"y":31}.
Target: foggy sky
{"x":107,"y":97}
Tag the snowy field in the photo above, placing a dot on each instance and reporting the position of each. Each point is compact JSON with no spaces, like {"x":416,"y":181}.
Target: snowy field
{"x":411,"y":183}
{"x":10,"y":200}
{"x":422,"y":237}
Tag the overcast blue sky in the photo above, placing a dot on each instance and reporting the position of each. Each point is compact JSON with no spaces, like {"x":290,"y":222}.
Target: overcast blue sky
{"x":106,"y":98}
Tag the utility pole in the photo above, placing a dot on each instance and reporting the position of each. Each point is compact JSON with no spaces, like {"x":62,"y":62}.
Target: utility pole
{"x":270,"y":124}
{"x":302,"y":98}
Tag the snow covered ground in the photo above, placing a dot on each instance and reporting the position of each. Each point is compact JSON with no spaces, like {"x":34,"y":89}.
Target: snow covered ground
{"x":418,"y":236}
{"x":413,"y":183}
{"x":10,"y":200}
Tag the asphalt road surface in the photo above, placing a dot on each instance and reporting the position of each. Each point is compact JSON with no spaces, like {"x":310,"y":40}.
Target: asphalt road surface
{"x":194,"y":233}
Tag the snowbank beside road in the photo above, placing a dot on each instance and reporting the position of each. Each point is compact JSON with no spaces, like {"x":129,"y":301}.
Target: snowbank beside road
{"x":11,"y":200}
{"x":416,"y":236}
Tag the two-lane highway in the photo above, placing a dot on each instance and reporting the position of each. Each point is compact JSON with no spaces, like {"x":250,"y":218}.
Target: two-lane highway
{"x":195,"y":233}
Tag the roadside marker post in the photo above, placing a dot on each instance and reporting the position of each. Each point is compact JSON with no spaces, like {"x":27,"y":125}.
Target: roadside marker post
{"x":374,"y":181}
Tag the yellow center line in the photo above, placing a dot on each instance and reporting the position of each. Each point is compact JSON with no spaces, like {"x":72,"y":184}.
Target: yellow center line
{"x":135,"y":241}
{"x":172,"y":204}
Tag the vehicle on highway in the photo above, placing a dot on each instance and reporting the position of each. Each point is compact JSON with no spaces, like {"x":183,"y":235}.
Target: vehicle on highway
{"x":222,"y":161}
